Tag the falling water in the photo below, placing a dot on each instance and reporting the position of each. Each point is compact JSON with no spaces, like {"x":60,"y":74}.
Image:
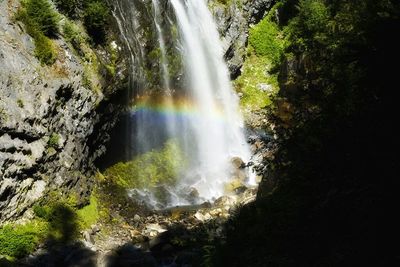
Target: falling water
{"x":197,"y":108}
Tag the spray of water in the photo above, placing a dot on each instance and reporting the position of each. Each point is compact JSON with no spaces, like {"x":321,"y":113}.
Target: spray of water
{"x":202,"y":116}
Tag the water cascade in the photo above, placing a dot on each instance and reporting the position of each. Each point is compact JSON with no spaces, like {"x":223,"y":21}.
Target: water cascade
{"x":195,"y":107}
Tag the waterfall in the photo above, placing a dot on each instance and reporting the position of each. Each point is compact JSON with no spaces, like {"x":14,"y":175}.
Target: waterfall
{"x":195,"y":106}
{"x":217,"y":130}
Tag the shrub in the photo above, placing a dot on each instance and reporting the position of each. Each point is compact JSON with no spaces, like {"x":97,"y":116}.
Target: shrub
{"x":264,"y":38}
{"x":67,"y":7}
{"x":18,"y":241}
{"x":42,"y":14}
{"x":95,"y":17}
{"x":44,"y":49}
{"x":73,"y":34}
{"x":40,"y":21}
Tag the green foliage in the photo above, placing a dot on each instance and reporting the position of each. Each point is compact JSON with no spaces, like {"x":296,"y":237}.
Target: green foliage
{"x":41,"y":21}
{"x":68,"y":7}
{"x":43,"y":16}
{"x":255,"y":74}
{"x":258,"y":81}
{"x":89,"y":214}
{"x":266,"y":39}
{"x":311,"y":25}
{"x":54,"y":140}
{"x":318,"y":200}
{"x":44,"y":49}
{"x":96,"y":15}
{"x":73,"y":34}
{"x":20,"y":240}
{"x":150,"y":169}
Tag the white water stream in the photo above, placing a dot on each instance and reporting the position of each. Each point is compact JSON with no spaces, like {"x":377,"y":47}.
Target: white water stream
{"x":218,"y":128}
{"x":201,"y":113}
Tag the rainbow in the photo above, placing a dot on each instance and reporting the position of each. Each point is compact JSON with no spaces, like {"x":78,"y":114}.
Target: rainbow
{"x":174,"y":106}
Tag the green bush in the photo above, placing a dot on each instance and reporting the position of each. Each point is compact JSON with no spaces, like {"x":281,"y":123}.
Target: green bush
{"x":44,"y":49}
{"x":68,"y":7}
{"x":40,"y":21}
{"x":18,"y":241}
{"x":73,"y":34}
{"x":43,"y":16}
{"x":266,"y":41}
{"x":95,"y":17}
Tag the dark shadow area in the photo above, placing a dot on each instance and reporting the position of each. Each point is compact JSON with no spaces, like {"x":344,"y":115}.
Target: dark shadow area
{"x":62,"y":256}
{"x":182,"y":245}
{"x":331,"y":194}
{"x":129,"y":255}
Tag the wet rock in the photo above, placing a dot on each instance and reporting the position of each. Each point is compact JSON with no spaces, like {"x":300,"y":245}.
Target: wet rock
{"x":225,"y":201}
{"x":202,"y":217}
{"x":238,"y":163}
{"x":95,"y":229}
{"x":154,"y":228}
{"x":88,"y":237}
{"x":233,"y":185}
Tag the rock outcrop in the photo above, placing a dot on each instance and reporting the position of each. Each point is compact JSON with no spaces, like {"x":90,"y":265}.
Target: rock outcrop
{"x":53,"y":126}
{"x":47,"y":118}
{"x":233,"y":23}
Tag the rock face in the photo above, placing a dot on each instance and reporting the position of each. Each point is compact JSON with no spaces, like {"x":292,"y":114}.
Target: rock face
{"x":52,"y":126}
{"x":47,"y":117}
{"x":233,"y":23}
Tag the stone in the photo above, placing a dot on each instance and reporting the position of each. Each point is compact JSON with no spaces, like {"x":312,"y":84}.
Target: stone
{"x":155,"y":227}
{"x":137,"y":218}
{"x":37,"y":103}
{"x":238,"y":163}
{"x":225,"y":201}
{"x":233,"y":185}
{"x":202,"y":217}
{"x":88,"y":237}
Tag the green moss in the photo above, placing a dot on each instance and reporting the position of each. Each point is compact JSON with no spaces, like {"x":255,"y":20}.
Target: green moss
{"x":54,"y":140}
{"x":68,"y":7}
{"x":254,"y":75}
{"x":96,"y":15}
{"x":267,"y":39}
{"x":41,"y":21}
{"x":150,"y":169}
{"x":258,"y":82}
{"x":89,"y":214}
{"x":44,"y":49}
{"x":20,"y":240}
{"x":20,"y":103}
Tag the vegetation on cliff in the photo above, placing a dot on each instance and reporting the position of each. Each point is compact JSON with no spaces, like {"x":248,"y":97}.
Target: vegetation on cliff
{"x":325,"y":199}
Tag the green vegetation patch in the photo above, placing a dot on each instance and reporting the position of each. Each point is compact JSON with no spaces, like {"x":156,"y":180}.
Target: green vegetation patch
{"x":258,"y":82}
{"x":20,"y":240}
{"x":267,"y":39}
{"x":96,"y":15}
{"x":89,"y":214}
{"x":41,"y":22}
{"x":150,"y":169}
{"x":54,"y":140}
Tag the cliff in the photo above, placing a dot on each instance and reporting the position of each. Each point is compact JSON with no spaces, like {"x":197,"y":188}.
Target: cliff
{"x":50,"y":118}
